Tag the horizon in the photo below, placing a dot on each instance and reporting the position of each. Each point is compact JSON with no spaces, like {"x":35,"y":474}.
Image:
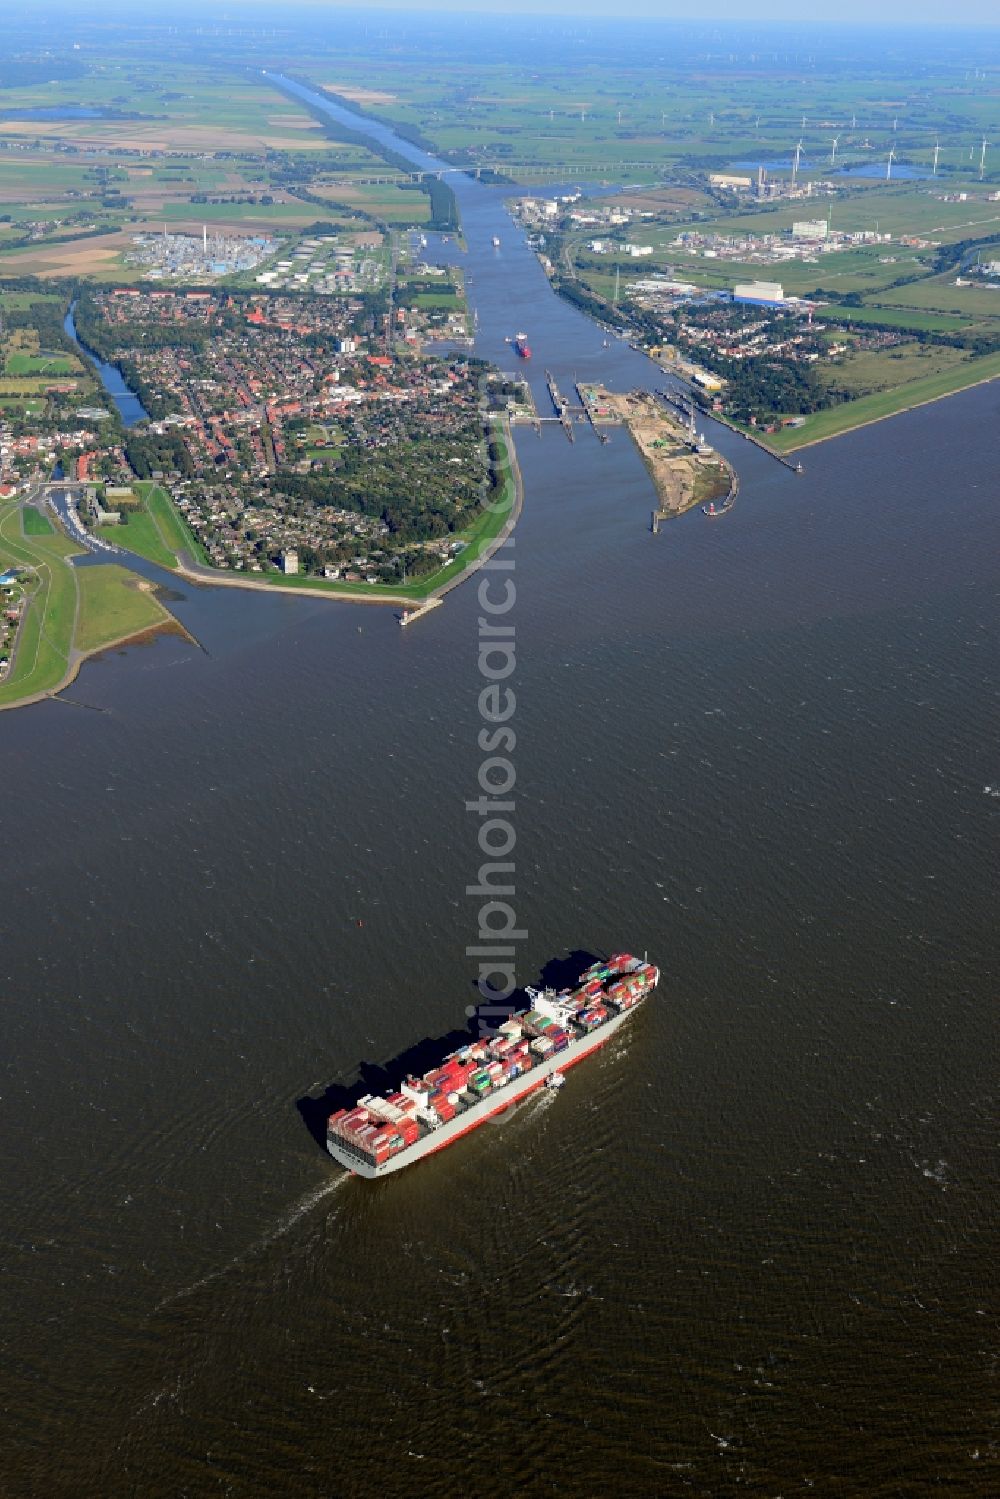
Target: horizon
{"x":894,"y":16}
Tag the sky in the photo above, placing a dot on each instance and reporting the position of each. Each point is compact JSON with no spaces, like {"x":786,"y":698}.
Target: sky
{"x":856,"y":12}
{"x":948,"y":16}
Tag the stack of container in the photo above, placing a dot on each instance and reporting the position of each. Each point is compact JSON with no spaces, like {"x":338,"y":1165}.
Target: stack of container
{"x":445,"y":1109}
{"x":594,"y":1016}
{"x":479,"y":1083}
{"x":376,"y":1136}
{"x":558,"y":1036}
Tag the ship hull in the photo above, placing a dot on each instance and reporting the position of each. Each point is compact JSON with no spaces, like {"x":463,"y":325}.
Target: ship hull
{"x":480,"y":1113}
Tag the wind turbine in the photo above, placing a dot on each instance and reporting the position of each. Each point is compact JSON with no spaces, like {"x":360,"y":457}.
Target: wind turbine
{"x":833,"y":150}
{"x":982,"y":158}
{"x":795,"y":164}
{"x":803,"y":122}
{"x":854,"y":122}
{"x":888,"y":165}
{"x":937,"y":153}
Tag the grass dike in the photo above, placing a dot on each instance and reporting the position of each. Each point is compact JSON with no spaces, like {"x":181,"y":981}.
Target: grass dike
{"x":71,"y":614}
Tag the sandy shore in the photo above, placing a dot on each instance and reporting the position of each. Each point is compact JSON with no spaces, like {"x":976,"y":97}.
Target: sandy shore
{"x":167,"y":626}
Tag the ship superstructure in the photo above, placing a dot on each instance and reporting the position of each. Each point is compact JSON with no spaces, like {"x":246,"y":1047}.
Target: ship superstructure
{"x":381,"y":1135}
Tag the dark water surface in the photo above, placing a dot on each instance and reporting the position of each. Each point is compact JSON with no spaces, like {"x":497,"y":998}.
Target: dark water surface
{"x":749,"y":1248}
{"x":130,"y":408}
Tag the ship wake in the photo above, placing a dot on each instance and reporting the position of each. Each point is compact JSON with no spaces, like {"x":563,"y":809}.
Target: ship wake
{"x":305,"y":1205}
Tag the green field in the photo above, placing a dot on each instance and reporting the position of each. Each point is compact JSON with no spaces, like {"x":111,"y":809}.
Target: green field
{"x":869,"y":371}
{"x":885,"y":403}
{"x":448,"y":301}
{"x":906,"y":321}
{"x":113,"y":606}
{"x":393,"y":205}
{"x":20,"y":301}
{"x":34,"y":522}
{"x":40,"y":364}
{"x":21,"y":406}
{"x":140,"y":535}
{"x":45,"y":645}
{"x":157,"y":532}
{"x":940,"y":294}
{"x":177,"y":534}
{"x":70,"y":610}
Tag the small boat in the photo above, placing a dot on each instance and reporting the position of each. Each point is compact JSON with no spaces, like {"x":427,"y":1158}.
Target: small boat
{"x":555,"y":1080}
{"x":496,"y":241}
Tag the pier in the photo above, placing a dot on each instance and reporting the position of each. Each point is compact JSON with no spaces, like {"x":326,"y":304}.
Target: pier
{"x":410,"y":616}
{"x":712,"y":510}
{"x":790,"y":463}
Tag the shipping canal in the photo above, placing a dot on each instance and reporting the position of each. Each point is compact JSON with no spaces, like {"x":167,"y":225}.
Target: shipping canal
{"x":746,"y":1249}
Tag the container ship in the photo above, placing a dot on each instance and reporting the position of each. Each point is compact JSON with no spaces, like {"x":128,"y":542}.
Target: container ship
{"x":530,"y":1050}
{"x":522,"y":346}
